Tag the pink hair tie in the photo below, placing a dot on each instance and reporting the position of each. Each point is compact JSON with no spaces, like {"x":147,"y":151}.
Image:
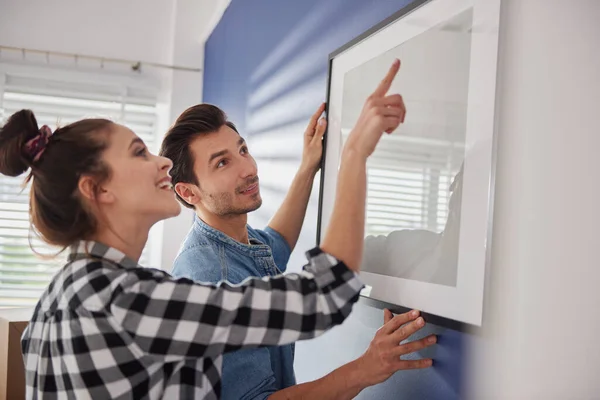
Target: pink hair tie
{"x":36,"y":146}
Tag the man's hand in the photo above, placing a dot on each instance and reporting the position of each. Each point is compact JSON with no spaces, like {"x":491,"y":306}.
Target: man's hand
{"x":380,"y":361}
{"x":290,"y":216}
{"x":381,"y":113}
{"x":382,"y":358}
{"x":313,"y":141}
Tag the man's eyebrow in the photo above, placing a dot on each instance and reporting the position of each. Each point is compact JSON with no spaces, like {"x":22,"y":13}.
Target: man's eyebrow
{"x":217,"y":155}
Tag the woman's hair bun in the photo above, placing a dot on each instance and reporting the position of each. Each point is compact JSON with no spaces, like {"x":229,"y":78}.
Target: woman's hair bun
{"x":18,"y":130}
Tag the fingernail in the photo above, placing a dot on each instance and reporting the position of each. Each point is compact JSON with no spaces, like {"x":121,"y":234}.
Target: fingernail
{"x":420,"y":321}
{"x":414,"y":313}
{"x":431,"y":339}
{"x":322,"y":122}
{"x":396,"y":61}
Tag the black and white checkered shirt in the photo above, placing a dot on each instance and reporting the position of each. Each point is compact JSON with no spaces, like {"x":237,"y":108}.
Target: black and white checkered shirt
{"x":106,"y":328}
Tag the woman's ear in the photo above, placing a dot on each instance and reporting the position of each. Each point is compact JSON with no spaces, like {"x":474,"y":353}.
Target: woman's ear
{"x":90,"y":191}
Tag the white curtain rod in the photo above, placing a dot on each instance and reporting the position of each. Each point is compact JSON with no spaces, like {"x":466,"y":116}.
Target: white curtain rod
{"x":135,"y":65}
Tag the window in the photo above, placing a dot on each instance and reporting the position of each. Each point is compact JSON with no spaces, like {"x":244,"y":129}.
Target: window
{"x":409,"y":184}
{"x":57,"y":101}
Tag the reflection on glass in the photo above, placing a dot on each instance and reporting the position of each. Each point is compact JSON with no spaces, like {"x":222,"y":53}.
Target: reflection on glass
{"x":415,"y":175}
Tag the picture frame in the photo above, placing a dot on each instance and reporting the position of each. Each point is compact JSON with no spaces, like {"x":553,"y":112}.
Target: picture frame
{"x":431,"y":183}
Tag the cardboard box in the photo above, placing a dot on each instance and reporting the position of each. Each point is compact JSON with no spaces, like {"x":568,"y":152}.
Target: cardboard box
{"x":12,"y":372}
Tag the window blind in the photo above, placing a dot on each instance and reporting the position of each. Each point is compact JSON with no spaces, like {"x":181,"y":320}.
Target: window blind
{"x":409,"y":185}
{"x":55,"y":102}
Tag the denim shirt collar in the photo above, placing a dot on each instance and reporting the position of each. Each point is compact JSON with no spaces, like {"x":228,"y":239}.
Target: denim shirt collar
{"x":258,"y":249}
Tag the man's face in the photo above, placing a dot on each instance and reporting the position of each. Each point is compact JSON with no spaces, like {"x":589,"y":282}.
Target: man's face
{"x":226,"y":172}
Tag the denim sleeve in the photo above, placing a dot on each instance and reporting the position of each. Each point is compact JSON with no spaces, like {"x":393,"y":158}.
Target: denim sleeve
{"x":247,"y":374}
{"x":280,"y":248}
{"x":198,"y":263}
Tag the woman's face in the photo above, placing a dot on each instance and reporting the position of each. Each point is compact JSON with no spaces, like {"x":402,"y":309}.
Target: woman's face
{"x":139,"y":185}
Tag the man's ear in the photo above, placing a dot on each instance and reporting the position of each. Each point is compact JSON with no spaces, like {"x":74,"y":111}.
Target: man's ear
{"x":188,"y":193}
{"x":89,"y":189}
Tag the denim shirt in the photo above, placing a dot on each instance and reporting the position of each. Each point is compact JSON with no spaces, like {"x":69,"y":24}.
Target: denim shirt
{"x":208,"y":255}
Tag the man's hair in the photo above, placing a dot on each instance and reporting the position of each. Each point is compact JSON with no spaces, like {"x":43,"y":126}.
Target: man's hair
{"x":197,"y":120}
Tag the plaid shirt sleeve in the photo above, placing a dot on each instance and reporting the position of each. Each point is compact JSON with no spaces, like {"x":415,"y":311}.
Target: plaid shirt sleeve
{"x":178,"y":318}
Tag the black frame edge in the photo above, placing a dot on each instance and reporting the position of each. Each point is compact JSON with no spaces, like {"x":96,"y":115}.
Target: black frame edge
{"x":434,"y":319}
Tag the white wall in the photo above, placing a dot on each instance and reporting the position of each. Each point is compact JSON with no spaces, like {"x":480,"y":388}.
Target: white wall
{"x":160,"y":31}
{"x":542,"y":338}
{"x":132,"y":29}
{"x":194,"y":22}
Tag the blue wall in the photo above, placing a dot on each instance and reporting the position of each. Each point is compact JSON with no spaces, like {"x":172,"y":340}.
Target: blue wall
{"x":266,"y":66}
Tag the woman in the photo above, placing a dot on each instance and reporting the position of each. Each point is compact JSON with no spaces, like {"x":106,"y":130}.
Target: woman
{"x":106,"y":328}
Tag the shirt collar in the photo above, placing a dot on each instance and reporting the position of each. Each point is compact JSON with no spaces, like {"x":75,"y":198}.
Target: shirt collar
{"x":91,"y":249}
{"x":257,"y":247}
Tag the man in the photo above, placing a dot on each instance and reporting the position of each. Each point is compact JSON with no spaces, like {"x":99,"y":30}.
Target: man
{"x":215,"y":175}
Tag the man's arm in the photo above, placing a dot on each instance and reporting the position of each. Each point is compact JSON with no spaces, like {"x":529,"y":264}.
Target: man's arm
{"x":379,"y":362}
{"x":345,"y":382}
{"x":288,"y":220}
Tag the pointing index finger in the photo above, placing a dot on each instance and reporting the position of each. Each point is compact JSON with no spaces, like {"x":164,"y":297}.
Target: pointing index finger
{"x":386,"y":83}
